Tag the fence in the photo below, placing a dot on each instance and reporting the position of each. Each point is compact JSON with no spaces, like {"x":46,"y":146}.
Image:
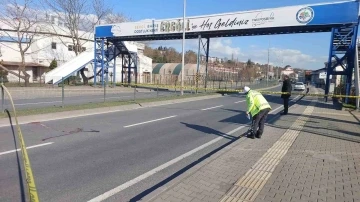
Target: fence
{"x":69,"y":93}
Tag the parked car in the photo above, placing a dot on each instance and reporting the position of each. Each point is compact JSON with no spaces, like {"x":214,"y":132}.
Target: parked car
{"x":299,"y":86}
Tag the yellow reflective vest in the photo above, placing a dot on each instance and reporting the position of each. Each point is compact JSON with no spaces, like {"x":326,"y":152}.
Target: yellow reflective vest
{"x":256,"y":102}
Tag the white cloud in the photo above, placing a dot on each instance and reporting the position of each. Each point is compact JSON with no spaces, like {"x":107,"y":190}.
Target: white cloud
{"x":220,"y":47}
{"x":227,"y":41}
{"x":282,"y":57}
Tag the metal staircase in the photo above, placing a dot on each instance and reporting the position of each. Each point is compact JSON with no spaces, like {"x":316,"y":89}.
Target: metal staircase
{"x":342,"y":52}
{"x":105,"y":54}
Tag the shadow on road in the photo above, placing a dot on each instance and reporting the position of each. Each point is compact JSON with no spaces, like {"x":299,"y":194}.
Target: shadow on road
{"x":307,"y":130}
{"x":208,"y":130}
{"x":140,"y":196}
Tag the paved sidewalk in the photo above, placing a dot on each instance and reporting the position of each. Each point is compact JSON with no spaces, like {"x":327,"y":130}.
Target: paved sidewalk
{"x":311,"y":154}
{"x":323,"y":164}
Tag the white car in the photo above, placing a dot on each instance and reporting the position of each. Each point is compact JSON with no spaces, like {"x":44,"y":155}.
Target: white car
{"x":299,"y":86}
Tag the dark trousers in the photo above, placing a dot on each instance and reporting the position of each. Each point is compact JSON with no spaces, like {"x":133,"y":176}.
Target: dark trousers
{"x":286,"y":105}
{"x":259,"y":122}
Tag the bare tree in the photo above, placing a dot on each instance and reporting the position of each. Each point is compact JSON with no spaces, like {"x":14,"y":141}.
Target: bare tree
{"x":22,"y":26}
{"x":249,"y":71}
{"x":79,"y":17}
{"x":115,"y":18}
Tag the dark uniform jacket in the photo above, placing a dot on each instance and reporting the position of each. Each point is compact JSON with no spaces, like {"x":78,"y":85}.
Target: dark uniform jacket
{"x":286,"y":87}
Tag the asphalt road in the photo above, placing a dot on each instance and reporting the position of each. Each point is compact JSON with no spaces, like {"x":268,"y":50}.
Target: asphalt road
{"x":82,"y":99}
{"x":79,"y":159}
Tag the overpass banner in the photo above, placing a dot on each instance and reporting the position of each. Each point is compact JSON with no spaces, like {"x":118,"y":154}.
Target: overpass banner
{"x":303,"y":15}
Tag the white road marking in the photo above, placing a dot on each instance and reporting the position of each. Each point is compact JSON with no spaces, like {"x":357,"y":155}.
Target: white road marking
{"x":150,"y":121}
{"x":212,"y":107}
{"x":293,"y":100}
{"x":34,"y":146}
{"x":274,"y":110}
{"x":239,"y":101}
{"x":127,"y":184}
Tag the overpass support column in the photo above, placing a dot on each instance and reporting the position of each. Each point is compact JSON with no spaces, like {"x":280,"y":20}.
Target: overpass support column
{"x":102,"y":62}
{"x":129,"y":69}
{"x":122,"y":69}
{"x":342,"y":50}
{"x":329,"y":67}
{"x":198,"y":64}
{"x":95,"y":61}
{"x":99,"y":57}
{"x":206,"y":50}
{"x":114,"y":69}
{"x":357,"y":76}
{"x":135,"y":68}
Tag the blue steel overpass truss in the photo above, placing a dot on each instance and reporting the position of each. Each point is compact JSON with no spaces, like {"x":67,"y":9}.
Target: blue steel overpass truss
{"x":342,"y":53}
{"x":339,"y":18}
{"x":106,"y":51}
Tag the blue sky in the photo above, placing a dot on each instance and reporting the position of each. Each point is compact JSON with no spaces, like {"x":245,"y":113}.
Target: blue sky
{"x":307,"y":51}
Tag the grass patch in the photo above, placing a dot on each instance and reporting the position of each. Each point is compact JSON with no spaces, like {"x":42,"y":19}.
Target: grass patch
{"x":49,"y":110}
{"x":348,"y":106}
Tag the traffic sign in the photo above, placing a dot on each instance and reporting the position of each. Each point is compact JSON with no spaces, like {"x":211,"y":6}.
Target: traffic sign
{"x":322,"y":75}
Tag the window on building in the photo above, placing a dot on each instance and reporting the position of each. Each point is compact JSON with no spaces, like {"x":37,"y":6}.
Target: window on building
{"x":70,"y":48}
{"x":61,"y":22}
{"x":53,"y":45}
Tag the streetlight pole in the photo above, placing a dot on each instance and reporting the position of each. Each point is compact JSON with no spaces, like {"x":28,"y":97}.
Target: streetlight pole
{"x":183,"y":52}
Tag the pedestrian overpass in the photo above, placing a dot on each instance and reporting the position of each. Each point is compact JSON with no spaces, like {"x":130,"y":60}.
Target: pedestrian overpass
{"x":339,"y":18}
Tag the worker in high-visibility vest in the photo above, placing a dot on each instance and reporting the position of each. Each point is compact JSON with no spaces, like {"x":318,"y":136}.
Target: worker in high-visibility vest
{"x":259,"y":108}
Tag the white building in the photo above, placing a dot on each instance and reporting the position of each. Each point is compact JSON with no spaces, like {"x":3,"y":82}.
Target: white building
{"x":211,"y":59}
{"x":49,"y":46}
{"x":287,"y":71}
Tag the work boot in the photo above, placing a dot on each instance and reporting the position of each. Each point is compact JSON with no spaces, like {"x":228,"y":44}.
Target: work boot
{"x":258,"y":134}
{"x":251,"y":135}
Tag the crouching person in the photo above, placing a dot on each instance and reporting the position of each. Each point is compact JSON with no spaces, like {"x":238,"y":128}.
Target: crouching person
{"x":258,"y":108}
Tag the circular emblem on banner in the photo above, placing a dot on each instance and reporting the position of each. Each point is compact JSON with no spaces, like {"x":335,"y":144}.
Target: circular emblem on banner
{"x":305,"y":15}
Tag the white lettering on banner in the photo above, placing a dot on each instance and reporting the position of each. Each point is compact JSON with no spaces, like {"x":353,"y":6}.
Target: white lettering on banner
{"x":288,"y":16}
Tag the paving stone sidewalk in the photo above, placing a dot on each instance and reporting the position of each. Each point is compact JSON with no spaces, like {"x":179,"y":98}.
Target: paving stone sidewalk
{"x":211,"y":179}
{"x":323,"y":164}
{"x":311,"y":154}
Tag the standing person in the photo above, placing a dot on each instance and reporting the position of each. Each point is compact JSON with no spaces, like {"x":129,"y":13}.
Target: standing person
{"x":307,"y":87}
{"x":286,"y":88}
{"x":258,"y":108}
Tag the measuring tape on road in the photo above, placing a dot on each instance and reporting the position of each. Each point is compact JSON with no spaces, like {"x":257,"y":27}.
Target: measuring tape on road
{"x":26,"y":161}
